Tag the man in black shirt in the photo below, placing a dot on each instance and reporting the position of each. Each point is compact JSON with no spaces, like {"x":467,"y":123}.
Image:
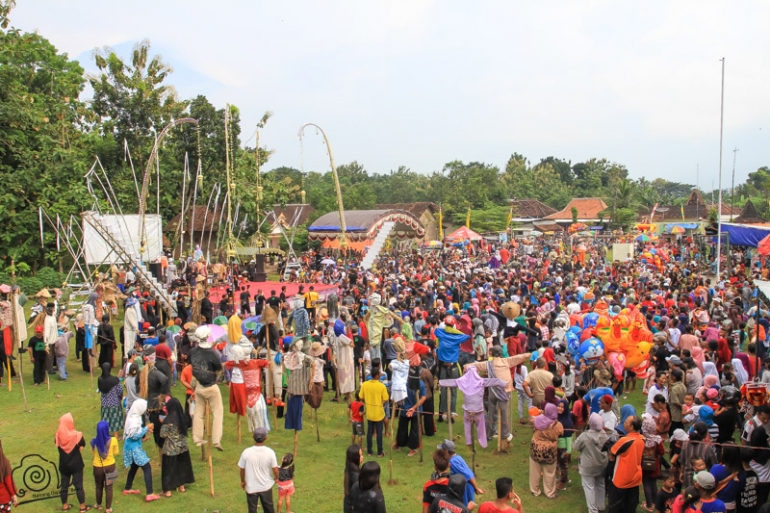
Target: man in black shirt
{"x":245,"y":307}
{"x":206,"y":365}
{"x":37,"y":353}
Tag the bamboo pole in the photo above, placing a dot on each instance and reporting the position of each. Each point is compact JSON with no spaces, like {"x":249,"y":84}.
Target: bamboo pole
{"x":473,"y":442}
{"x":8,"y":362}
{"x":317,"y":432}
{"x":449,"y":410}
{"x":419,"y":422}
{"x":239,"y":428}
{"x":390,"y":442}
{"x":296,"y":441}
{"x":211,"y":463}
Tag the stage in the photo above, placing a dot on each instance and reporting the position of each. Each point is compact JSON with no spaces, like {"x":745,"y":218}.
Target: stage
{"x":216,"y":292}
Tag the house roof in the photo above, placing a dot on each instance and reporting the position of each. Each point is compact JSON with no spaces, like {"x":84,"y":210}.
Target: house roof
{"x":693,"y":211}
{"x":548,"y":227}
{"x":530,"y":208}
{"x":366,"y":224}
{"x":211,"y":219}
{"x":749,"y":214}
{"x":417,"y":209}
{"x":587,"y":208}
{"x":287,"y":213}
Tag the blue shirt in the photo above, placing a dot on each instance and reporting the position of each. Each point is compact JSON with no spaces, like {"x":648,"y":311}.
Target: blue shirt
{"x":457,"y":465}
{"x":411,"y":398}
{"x":151,"y":341}
{"x":449,"y":345}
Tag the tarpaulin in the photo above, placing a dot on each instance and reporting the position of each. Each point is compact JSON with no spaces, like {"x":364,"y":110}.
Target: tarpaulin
{"x":744,"y":235}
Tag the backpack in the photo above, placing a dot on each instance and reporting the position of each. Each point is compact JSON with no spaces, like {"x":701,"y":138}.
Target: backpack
{"x":649,"y":460}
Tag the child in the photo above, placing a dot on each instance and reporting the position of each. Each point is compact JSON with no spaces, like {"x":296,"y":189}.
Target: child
{"x":356,"y":416}
{"x":367,"y":363}
{"x":480,"y":343}
{"x":675,"y":450}
{"x":666,"y":495}
{"x":564,"y":445}
{"x":286,"y":482}
{"x":689,"y":410}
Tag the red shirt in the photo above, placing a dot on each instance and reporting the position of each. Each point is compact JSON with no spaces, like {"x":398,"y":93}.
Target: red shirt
{"x":7,"y":489}
{"x":357,"y":410}
{"x":163,"y":352}
{"x":489,"y":507}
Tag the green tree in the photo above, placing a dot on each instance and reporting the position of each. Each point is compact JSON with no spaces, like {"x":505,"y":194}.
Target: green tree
{"x":43,"y":153}
{"x":760,"y":180}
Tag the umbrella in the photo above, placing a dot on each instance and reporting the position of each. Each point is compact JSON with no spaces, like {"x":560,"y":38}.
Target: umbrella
{"x":254,"y":319}
{"x":584,"y":234}
{"x":250,"y":326}
{"x":328,"y":261}
{"x":216,"y":332}
{"x":677,"y":230}
{"x":763,"y":247}
{"x":535,"y":233}
{"x":433,"y":244}
{"x":642,"y":238}
{"x":173,"y":329}
{"x":220,"y":321}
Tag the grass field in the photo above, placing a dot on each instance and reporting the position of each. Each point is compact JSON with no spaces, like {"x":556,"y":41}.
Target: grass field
{"x":319,"y":465}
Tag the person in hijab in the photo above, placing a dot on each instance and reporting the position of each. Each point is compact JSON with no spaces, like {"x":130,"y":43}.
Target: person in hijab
{"x":105,"y":449}
{"x":550,"y":396}
{"x":593,"y":462}
{"x":543,"y":452}
{"x":626,"y":411}
{"x":741,"y":375}
{"x":565,"y":442}
{"x":130,"y":326}
{"x":134,"y":456}
{"x":8,"y":488}
{"x":70,"y":442}
{"x":697,"y":354}
{"x":112,"y":398}
{"x":176,"y":467}
{"x":653,"y":448}
{"x":90,"y":323}
{"x":710,"y":369}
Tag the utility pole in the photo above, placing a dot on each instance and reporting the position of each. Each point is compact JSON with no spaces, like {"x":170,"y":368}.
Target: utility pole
{"x":732,"y":187}
{"x":719,"y":207}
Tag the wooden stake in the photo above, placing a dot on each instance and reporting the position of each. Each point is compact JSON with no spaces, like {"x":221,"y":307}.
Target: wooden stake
{"x":449,"y":410}
{"x":419,"y":422}
{"x":205,"y":434}
{"x":317,"y":433}
{"x":239,"y":428}
{"x":211,"y":463}
{"x":8,"y":361}
{"x":296,"y":441}
{"x":391,"y":442}
{"x":510,"y":412}
{"x":499,"y":428}
{"x":473,"y":442}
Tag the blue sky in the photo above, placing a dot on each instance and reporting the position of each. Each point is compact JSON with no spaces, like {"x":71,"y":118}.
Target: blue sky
{"x":421,"y":83}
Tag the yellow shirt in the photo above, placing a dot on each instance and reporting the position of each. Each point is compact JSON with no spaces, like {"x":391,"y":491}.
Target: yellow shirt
{"x":374,"y":395}
{"x":113,"y":451}
{"x":311,"y":298}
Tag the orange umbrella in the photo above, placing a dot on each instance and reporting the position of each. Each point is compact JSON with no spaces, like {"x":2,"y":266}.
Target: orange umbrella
{"x":763,"y":248}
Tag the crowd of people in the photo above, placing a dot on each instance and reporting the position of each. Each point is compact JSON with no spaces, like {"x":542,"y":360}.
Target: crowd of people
{"x":487,"y":327}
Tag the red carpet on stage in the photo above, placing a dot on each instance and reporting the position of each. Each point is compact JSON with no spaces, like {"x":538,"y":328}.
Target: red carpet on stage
{"x":215,"y":293}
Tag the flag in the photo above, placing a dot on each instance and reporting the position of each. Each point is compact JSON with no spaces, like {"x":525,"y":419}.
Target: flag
{"x":681,"y":208}
{"x":510,"y":218}
{"x":468,"y":219}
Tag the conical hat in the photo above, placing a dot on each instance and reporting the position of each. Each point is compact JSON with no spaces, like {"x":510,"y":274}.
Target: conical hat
{"x":511,"y":310}
{"x":43,"y":293}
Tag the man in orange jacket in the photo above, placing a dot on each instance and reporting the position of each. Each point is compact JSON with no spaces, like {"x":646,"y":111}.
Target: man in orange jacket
{"x":627,"y":474}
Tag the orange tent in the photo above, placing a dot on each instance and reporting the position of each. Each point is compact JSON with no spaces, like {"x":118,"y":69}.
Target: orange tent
{"x":462,"y":234}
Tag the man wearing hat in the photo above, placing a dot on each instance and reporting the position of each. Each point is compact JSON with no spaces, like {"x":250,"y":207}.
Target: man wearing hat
{"x":259,"y":471}
{"x":38,"y":353}
{"x":206,"y":365}
{"x":706,"y":485}
{"x":457,"y":465}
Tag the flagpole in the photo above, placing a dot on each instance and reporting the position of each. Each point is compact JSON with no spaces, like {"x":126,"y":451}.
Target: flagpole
{"x":719,"y":206}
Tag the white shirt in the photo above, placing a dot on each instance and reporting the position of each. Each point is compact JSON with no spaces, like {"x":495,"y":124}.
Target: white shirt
{"x":258,"y":463}
{"x":609,"y":418}
{"x":654,"y":390}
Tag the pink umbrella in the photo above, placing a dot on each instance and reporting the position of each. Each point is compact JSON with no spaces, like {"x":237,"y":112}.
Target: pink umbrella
{"x":216,"y":332}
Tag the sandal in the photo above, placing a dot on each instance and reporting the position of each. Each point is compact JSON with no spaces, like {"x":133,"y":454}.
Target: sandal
{"x":66,"y":507}
{"x":108,"y":510}
{"x":167,"y":495}
{"x":98,"y":507}
{"x":152,"y":497}
{"x":181,"y":489}
{"x":131,"y":492}
{"x":84,"y":509}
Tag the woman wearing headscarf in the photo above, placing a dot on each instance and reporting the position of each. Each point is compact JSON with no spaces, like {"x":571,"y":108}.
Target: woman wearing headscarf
{"x":564,"y":445}
{"x":697,"y":354}
{"x":8,"y":489}
{"x":626,"y":411}
{"x":134,"y":456}
{"x":105,"y":449}
{"x":70,"y":442}
{"x":550,"y":396}
{"x":698,"y":447}
{"x":90,"y":323}
{"x":710,"y":369}
{"x":653,"y":450}
{"x":130,"y":326}
{"x":112,"y":397}
{"x":740,"y":372}
{"x":593,"y":462}
{"x":542,"y":452}
{"x":176,"y":467}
